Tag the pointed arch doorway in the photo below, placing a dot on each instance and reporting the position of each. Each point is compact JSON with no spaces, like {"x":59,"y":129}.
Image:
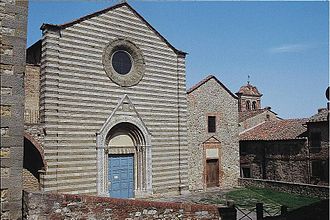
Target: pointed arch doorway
{"x":124,"y":158}
{"x":125,"y":148}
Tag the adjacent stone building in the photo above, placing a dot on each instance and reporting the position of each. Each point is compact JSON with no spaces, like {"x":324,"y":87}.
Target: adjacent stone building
{"x":275,"y":150}
{"x":318,"y":134}
{"x":112,"y":107}
{"x":13,"y":25}
{"x":212,"y":135}
{"x":292,"y":150}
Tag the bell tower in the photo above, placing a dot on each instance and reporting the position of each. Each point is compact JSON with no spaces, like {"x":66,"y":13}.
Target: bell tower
{"x":249,"y":98}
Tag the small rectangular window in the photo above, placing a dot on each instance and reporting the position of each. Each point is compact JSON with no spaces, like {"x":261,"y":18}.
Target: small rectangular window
{"x":243,"y":149}
{"x":211,"y":124}
{"x":246,"y":172}
{"x":320,"y":169}
{"x":315,"y":140}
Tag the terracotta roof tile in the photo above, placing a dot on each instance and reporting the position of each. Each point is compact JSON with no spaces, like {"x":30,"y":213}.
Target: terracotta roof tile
{"x":276,"y":130}
{"x":249,"y":90}
{"x":242,"y":116}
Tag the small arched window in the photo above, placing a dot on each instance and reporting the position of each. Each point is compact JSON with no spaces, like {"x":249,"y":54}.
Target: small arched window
{"x":254,"y":105}
{"x":248,"y":105}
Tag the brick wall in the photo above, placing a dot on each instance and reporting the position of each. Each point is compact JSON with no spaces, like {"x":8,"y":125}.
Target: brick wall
{"x":32,"y":94}
{"x":295,"y":188}
{"x":30,"y":182}
{"x":38,"y":205}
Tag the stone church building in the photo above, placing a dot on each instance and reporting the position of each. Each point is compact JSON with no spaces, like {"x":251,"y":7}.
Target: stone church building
{"x":115,"y":117}
{"x":212,"y":135}
{"x":113,"y":107}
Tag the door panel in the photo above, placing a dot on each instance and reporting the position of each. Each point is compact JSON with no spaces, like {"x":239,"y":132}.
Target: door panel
{"x":121,"y":176}
{"x":212,"y":173}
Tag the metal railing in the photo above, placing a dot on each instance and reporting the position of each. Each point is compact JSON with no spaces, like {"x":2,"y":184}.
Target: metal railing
{"x":260,"y":213}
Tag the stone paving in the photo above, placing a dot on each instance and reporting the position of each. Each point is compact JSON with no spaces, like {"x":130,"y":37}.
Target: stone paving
{"x":211,"y":196}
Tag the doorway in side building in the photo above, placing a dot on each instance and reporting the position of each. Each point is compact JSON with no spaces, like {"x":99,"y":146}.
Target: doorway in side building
{"x":212,"y":172}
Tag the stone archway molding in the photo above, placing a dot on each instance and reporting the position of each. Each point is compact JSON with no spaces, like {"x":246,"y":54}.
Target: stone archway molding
{"x":115,"y":118}
{"x":38,"y":146}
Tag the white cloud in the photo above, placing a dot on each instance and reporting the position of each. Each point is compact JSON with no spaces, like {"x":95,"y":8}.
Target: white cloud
{"x":290,"y":48}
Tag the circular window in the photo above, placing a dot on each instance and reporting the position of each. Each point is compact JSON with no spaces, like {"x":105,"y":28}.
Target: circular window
{"x":123,"y":62}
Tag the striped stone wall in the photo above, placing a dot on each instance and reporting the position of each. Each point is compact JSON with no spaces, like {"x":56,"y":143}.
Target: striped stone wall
{"x":77,"y":97}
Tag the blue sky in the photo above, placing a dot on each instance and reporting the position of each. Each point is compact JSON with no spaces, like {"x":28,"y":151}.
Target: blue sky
{"x":283,"y":46}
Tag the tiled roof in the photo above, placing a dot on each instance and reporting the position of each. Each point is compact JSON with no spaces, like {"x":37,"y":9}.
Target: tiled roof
{"x":242,"y":116}
{"x":207,"y":79}
{"x":322,"y":115}
{"x":68,"y":24}
{"x":249,"y":90}
{"x":276,"y":130}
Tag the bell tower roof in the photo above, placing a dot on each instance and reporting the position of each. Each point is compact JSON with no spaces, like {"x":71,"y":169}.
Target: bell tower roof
{"x":249,"y":90}
{"x":249,"y":97}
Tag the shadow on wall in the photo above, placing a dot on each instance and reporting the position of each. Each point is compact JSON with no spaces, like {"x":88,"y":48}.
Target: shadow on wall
{"x":32,"y":163}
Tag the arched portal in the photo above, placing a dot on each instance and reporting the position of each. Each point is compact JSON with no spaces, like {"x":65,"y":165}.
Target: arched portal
{"x":124,"y":152}
{"x":126,"y":160}
{"x":32,"y":164}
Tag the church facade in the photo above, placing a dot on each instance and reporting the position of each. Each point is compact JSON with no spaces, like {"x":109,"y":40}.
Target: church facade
{"x":212,"y":135}
{"x":108,"y":113}
{"x":112,"y":107}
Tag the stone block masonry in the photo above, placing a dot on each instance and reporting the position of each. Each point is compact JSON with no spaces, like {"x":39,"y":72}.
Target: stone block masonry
{"x":288,"y":187}
{"x":40,"y":205}
{"x":13,"y":22}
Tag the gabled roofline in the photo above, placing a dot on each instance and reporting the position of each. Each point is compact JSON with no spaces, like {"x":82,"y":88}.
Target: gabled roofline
{"x":68,"y":24}
{"x":210,"y":138}
{"x":196,"y":86}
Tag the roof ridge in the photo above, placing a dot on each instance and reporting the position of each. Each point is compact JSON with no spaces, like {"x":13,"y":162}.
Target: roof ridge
{"x":83,"y":18}
{"x":200,"y":83}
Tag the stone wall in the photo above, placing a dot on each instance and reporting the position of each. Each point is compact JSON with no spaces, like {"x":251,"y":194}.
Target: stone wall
{"x":284,"y":160}
{"x":289,"y":187}
{"x":320,"y":154}
{"x":13,"y":22}
{"x":212,"y":99}
{"x":39,"y":205}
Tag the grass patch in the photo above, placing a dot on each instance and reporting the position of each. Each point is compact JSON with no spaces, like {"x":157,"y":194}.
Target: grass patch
{"x":247,"y":198}
{"x":272,"y":200}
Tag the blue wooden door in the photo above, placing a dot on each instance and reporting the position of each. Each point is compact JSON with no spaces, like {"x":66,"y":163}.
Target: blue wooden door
{"x":121,"y":176}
